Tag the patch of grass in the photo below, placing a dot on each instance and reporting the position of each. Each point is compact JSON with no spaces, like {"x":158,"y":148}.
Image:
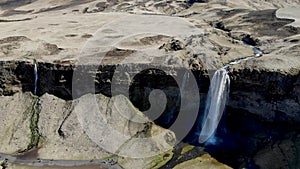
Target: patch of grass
{"x":109,"y":157}
{"x":161,"y":160}
{"x":187,"y":149}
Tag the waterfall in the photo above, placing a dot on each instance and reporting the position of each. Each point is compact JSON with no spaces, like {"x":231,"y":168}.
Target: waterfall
{"x":186,"y":76}
{"x":217,"y":97}
{"x":35,"y":77}
{"x":215,"y":104}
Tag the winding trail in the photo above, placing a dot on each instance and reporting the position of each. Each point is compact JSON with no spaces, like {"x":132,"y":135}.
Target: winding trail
{"x":109,"y":163}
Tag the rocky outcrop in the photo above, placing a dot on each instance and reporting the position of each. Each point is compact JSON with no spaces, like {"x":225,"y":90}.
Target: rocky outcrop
{"x":67,"y":133}
{"x":273,"y":96}
{"x":284,"y":152}
{"x":15,"y":126}
{"x":205,"y":161}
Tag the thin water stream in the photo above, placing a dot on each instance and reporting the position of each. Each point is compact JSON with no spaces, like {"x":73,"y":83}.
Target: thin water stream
{"x":35,"y":77}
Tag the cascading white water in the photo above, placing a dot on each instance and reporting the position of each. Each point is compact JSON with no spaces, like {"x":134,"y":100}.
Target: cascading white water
{"x":35,"y":77}
{"x":216,"y":101}
{"x":217,"y":98}
{"x":186,"y":76}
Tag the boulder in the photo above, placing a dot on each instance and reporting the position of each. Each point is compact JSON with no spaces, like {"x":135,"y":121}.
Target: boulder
{"x":205,"y":161}
{"x":16,"y":112}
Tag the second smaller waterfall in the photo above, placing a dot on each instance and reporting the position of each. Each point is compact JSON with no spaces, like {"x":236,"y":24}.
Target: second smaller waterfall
{"x":35,"y":77}
{"x":186,"y":76}
{"x":215,"y":104}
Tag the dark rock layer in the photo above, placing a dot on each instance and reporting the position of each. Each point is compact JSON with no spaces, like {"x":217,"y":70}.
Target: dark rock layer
{"x":273,"y":96}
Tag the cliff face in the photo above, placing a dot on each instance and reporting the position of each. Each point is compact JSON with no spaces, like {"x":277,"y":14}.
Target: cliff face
{"x":274,"y":96}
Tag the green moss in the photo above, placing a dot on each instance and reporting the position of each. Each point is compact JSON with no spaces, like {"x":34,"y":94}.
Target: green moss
{"x":34,"y":96}
{"x":35,"y":135}
{"x":161,"y":160}
{"x":205,"y":161}
{"x":186,"y":149}
{"x":109,"y":157}
{"x":154,"y":162}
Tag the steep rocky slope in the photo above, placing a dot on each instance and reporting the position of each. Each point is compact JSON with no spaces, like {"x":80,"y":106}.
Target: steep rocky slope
{"x":53,"y":129}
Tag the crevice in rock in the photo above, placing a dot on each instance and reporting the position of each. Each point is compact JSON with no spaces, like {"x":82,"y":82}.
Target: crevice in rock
{"x":220,"y":25}
{"x":173,"y":45}
{"x":14,"y":20}
{"x":294,"y":40}
{"x":34,"y":129}
{"x":69,"y":109}
{"x":144,"y":133}
{"x":250,"y":40}
{"x":191,"y":2}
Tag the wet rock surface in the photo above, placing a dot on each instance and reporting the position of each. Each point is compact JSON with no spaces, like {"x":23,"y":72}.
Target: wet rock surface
{"x":200,"y":36}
